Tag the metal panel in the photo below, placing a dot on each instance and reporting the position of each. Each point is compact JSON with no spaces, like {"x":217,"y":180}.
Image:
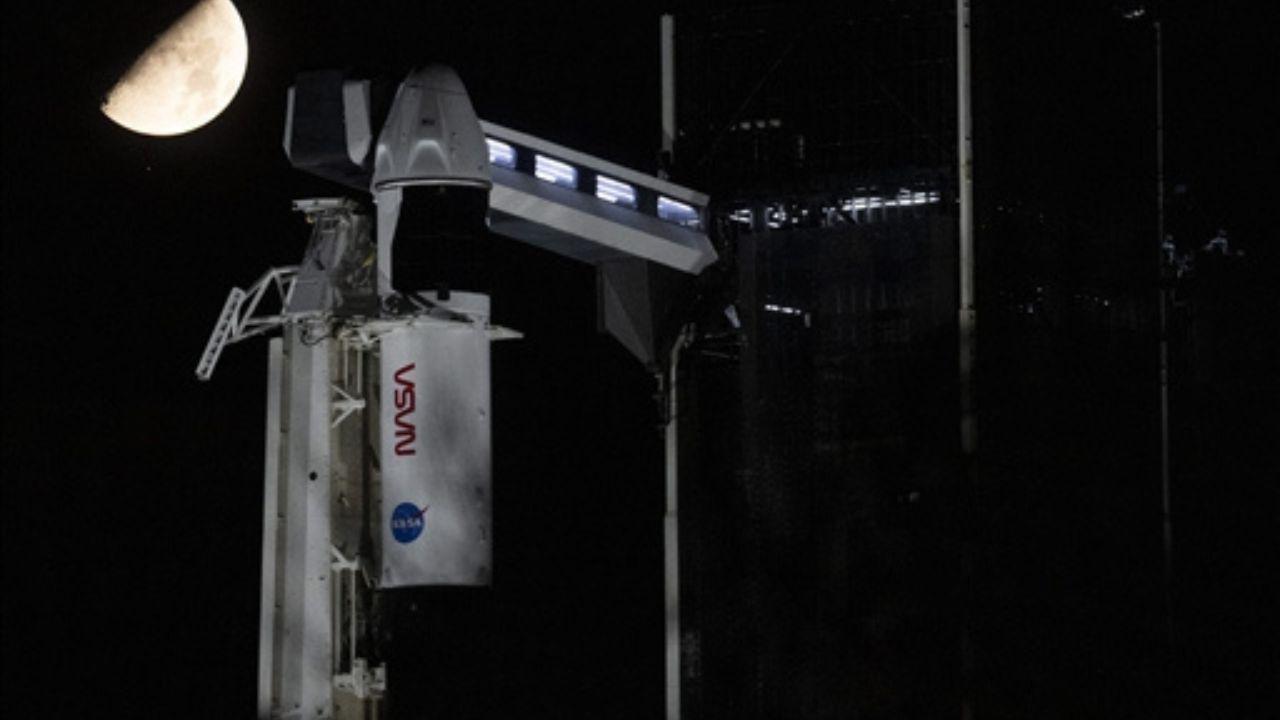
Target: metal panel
{"x":388,"y":201}
{"x":435,"y":455}
{"x":327,"y":128}
{"x":270,"y":527}
{"x":303,"y":644}
{"x":588,"y":229}
{"x":336,"y":274}
{"x":671,"y":531}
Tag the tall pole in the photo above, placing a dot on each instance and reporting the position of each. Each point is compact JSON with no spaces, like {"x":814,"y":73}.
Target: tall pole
{"x":671,"y":529}
{"x":671,"y":518}
{"x":1165,"y":509}
{"x":968,"y":311}
{"x":667,"y":48}
{"x":967,"y":328}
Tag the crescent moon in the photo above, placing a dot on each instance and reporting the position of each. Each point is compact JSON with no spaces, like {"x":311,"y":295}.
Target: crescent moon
{"x":187,"y":77}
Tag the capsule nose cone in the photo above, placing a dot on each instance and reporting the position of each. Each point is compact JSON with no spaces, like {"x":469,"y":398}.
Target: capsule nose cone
{"x":432,"y":135}
{"x":440,"y":78}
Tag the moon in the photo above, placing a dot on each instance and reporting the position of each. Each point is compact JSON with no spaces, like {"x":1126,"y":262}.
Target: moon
{"x":187,"y":77}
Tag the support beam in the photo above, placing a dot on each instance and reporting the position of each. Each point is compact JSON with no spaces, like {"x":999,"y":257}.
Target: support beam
{"x":268,"y":617}
{"x":671,"y":529}
{"x":302,"y":646}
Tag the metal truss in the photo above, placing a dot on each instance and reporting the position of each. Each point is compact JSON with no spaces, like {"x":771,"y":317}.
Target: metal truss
{"x":238,"y":320}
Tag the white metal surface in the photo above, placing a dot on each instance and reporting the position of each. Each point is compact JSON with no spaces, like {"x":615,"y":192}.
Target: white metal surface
{"x":387,"y":201}
{"x":588,"y":229}
{"x":344,"y":404}
{"x":302,"y":638}
{"x":435,"y":455}
{"x":431,"y":135}
{"x":268,"y":613}
{"x":355,"y":116}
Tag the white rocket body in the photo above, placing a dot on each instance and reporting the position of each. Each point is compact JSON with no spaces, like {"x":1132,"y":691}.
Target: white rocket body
{"x":435,"y":453}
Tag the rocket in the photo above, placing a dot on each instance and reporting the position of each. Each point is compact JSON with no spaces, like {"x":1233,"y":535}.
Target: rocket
{"x":386,"y":319}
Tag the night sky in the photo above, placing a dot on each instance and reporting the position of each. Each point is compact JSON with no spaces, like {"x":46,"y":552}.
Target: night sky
{"x":132,"y":491}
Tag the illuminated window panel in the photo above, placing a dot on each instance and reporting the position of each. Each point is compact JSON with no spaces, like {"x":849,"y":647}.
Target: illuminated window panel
{"x":782,"y":309}
{"x":615,"y":191}
{"x":501,"y":154}
{"x":677,"y":212}
{"x":555,"y":172}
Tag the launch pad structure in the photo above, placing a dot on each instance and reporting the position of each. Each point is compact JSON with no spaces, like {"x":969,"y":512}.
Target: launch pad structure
{"x":377,"y":468}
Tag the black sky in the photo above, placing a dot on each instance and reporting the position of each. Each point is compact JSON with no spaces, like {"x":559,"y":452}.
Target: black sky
{"x":132,"y":492}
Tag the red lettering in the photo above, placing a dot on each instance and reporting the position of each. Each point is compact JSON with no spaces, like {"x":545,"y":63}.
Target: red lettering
{"x":406,"y":400}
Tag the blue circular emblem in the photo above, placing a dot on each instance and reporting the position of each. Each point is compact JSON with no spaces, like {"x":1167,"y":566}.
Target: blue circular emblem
{"x":407,"y":522}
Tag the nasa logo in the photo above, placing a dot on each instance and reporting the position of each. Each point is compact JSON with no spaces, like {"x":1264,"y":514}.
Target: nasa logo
{"x":407,"y":522}
{"x":406,"y":400}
